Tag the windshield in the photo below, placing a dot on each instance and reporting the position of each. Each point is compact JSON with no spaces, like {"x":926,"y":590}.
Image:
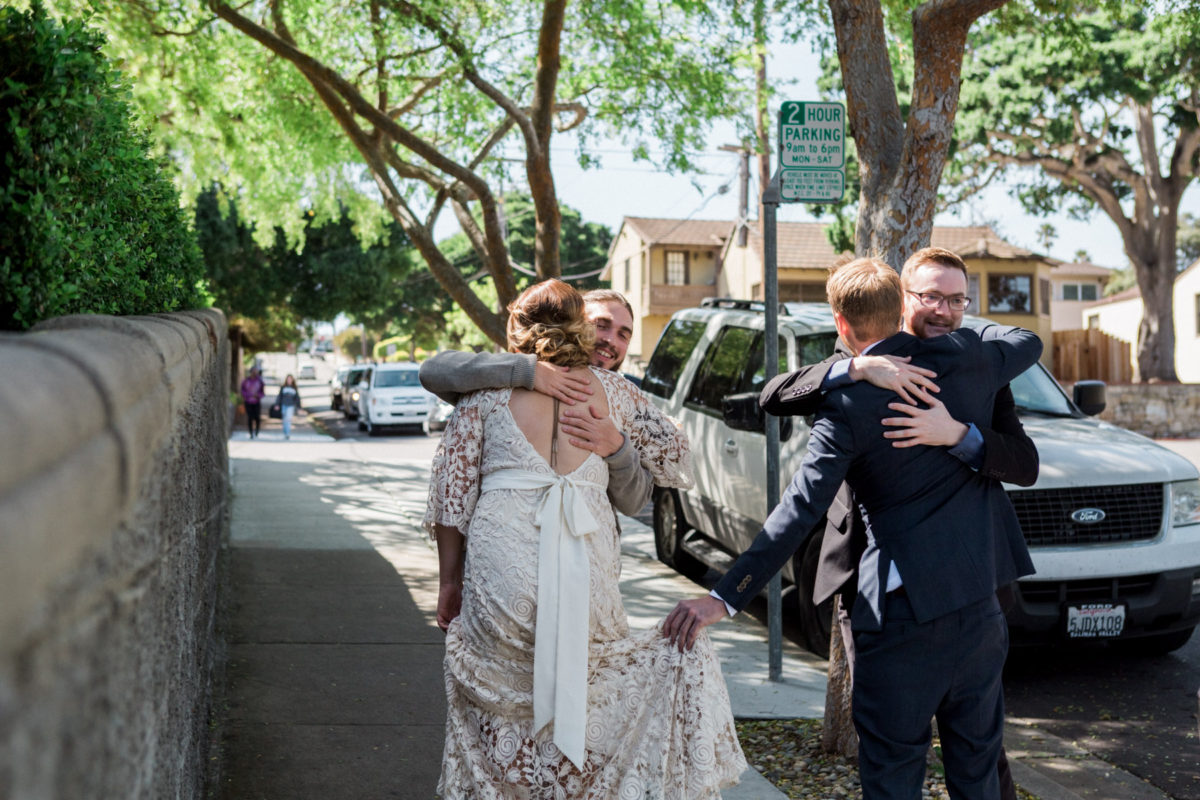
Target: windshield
{"x":1035,"y":390}
{"x":389,"y":378}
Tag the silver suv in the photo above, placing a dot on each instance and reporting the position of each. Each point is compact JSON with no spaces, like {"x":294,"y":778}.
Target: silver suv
{"x":1113,"y":522}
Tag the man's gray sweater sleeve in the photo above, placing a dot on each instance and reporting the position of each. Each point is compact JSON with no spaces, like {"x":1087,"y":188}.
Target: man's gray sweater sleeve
{"x":629,"y":483}
{"x":452,"y":374}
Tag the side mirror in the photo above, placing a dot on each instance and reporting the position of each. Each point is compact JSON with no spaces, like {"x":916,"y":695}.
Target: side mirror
{"x":742,"y":413}
{"x":1089,"y":396}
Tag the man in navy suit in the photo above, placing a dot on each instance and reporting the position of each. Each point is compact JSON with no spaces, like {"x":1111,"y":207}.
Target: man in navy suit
{"x":929,"y":634}
{"x":935,"y":285}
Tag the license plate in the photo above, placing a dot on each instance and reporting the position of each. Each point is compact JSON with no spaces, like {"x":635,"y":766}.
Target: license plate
{"x":1095,"y":620}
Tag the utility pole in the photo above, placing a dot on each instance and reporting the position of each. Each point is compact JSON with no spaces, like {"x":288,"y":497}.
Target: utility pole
{"x":743,"y":188}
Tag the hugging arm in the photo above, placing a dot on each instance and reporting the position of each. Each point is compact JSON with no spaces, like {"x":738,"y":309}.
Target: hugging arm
{"x":451,"y":374}
{"x":798,"y":393}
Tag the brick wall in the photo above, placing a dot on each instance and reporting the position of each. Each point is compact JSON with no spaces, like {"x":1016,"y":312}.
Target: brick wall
{"x":113,"y":481}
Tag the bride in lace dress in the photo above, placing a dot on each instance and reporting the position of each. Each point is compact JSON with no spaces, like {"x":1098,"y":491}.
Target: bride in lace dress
{"x":549,"y":693}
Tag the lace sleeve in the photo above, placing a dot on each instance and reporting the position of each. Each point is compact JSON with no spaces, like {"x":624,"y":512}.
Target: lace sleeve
{"x":661,"y":445}
{"x":454,"y":474}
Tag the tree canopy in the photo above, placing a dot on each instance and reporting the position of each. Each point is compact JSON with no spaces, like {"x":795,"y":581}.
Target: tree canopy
{"x":300,"y":104}
{"x":1102,"y":115}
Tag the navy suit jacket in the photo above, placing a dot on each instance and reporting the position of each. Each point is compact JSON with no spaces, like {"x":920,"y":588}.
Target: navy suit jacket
{"x":947,"y":528}
{"x":1009,"y":455}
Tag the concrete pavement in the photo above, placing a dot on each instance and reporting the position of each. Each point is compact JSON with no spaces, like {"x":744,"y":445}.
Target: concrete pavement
{"x":334,"y":684}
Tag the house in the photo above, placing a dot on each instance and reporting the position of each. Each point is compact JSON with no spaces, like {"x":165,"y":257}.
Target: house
{"x":664,"y":265}
{"x":661,"y":266}
{"x":1074,"y":287}
{"x":1121,"y":314}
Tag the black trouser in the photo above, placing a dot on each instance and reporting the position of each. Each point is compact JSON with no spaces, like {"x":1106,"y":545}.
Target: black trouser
{"x":908,"y":672}
{"x":254,"y":417}
{"x":1004,"y":595}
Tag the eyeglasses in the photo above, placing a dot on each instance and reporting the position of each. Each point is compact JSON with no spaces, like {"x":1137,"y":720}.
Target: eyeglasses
{"x":956,"y":302}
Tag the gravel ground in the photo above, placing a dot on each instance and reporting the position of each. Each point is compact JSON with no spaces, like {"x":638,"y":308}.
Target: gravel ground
{"x":788,"y":753}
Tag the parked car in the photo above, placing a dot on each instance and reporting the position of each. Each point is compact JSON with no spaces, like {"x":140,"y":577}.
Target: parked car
{"x":439,"y":417}
{"x":351,"y":389}
{"x":392,"y":396}
{"x":308,"y":372}
{"x":1113,"y":522}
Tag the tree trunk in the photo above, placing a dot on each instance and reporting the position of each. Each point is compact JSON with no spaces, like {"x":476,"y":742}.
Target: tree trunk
{"x":1156,"y":332}
{"x":547,"y":262}
{"x":901,"y":162}
{"x":837,"y":735}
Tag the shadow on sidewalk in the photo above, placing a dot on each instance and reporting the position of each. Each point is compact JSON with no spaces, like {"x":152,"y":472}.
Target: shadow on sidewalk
{"x":334,"y":674}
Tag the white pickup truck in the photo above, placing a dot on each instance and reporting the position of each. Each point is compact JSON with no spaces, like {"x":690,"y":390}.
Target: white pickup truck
{"x":1113,"y":522}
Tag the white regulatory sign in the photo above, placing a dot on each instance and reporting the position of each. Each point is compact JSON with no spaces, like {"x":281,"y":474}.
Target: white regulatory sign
{"x":812,"y":135}
{"x":812,"y":185}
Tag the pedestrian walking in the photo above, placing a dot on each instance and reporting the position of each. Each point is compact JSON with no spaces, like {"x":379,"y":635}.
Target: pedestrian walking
{"x":288,"y":403}
{"x":252,"y":394}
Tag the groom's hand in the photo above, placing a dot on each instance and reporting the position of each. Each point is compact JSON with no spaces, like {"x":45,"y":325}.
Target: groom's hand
{"x":561,"y":383}
{"x":687,"y":619}
{"x":589,"y":430}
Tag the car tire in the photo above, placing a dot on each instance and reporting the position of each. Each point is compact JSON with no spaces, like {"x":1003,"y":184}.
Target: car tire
{"x":373,"y":430}
{"x":1158,"y":645}
{"x":815,"y":621}
{"x":362,"y":426}
{"x":669,"y":530}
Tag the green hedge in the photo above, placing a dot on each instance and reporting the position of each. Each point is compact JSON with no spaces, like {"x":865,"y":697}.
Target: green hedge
{"x":91,"y":222}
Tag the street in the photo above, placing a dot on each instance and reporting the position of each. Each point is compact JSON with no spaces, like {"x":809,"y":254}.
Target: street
{"x":1139,"y":713}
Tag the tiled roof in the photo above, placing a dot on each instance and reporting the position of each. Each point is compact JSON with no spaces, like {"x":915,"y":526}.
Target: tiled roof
{"x":976,"y":241}
{"x":803,"y":245}
{"x":699,"y":232}
{"x":1080,"y":269}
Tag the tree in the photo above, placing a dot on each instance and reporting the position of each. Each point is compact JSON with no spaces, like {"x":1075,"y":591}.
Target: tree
{"x":425,"y":96}
{"x":1046,"y":234}
{"x":901,"y":152}
{"x":1100,"y":116}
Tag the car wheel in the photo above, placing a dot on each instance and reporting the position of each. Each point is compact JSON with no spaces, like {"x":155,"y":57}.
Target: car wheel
{"x":669,"y":530}
{"x":1157,"y":645}
{"x":815,"y":621}
{"x":372,"y":430}
{"x":362,"y":426}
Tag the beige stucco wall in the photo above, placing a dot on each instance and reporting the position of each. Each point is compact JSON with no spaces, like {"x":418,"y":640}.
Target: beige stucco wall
{"x":1122,"y":318}
{"x":1036,"y":321}
{"x":627,"y":276}
{"x":1067,"y":315}
{"x":112,"y":511}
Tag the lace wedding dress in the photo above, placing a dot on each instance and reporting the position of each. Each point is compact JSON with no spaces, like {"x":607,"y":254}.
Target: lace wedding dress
{"x":628,"y":715}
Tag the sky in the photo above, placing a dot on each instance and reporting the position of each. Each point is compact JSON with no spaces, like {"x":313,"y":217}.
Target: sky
{"x":623,"y":187}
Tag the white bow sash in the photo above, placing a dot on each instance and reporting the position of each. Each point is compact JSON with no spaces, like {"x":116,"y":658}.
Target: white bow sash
{"x":560,"y":652}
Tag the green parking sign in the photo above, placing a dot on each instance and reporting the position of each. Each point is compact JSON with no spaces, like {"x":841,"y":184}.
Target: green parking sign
{"x":812,"y":151}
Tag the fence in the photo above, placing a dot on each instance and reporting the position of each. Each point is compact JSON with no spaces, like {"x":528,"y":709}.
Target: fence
{"x":1091,"y":355}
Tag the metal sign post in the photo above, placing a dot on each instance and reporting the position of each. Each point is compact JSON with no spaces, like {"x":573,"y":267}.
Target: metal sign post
{"x":770,"y":204}
{"x":811,"y":169}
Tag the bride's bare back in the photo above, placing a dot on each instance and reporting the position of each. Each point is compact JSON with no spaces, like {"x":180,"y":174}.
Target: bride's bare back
{"x":534,"y":414}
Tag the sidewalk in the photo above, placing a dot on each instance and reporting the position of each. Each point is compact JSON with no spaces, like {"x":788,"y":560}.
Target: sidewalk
{"x":335,"y":676}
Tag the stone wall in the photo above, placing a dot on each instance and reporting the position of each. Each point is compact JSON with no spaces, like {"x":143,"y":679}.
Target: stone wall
{"x":1158,"y":410}
{"x":113,"y":483}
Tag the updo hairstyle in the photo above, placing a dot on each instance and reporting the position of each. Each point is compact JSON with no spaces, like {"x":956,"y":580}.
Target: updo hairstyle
{"x":547,"y":320}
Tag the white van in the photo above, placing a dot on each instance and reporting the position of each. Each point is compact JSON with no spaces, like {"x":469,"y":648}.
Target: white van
{"x":1113,"y":522}
{"x":391,"y":395}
